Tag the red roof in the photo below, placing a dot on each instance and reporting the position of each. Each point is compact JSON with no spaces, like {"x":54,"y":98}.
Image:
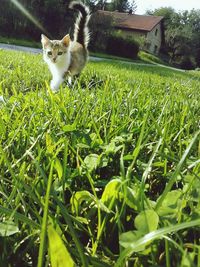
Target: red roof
{"x":133,"y":21}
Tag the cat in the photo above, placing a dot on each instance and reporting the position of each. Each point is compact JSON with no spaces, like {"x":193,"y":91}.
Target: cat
{"x":66,"y":58}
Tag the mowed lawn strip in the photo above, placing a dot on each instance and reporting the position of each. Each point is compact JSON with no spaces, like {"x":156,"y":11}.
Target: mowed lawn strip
{"x":109,"y":167}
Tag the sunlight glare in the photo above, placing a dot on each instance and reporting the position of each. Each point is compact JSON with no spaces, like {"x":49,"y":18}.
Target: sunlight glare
{"x":28,"y":15}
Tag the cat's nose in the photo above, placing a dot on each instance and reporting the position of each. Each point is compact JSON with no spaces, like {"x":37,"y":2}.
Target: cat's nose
{"x":54,"y":59}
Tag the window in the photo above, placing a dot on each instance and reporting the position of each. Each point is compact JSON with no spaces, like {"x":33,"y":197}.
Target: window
{"x":156,"y":32}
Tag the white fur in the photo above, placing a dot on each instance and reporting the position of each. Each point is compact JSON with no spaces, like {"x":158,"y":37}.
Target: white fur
{"x":58,"y":69}
{"x":2,"y":99}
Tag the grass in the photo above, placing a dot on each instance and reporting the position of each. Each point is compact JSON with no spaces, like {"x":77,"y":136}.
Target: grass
{"x":20,"y":42}
{"x":106,"y":173}
{"x":117,"y":58}
{"x":152,"y":59}
{"x":143,"y":57}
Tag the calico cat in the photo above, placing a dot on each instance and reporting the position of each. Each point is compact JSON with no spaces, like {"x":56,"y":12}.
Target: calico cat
{"x":66,"y":58}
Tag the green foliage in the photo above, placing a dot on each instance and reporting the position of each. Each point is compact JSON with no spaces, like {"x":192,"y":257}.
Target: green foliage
{"x":146,"y":221}
{"x":27,"y":19}
{"x":106,"y":171}
{"x":150,"y":58}
{"x":123,"y":6}
{"x":100,"y":27}
{"x":59,"y":255}
{"x":133,"y":244}
{"x":20,"y":42}
{"x":182,"y":36}
{"x":8,"y":228}
{"x":121,"y":45}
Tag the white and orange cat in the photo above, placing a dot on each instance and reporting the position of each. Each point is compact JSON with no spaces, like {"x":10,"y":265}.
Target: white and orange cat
{"x":66,"y":58}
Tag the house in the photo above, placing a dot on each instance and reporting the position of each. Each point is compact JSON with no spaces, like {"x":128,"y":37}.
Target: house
{"x":145,"y":26}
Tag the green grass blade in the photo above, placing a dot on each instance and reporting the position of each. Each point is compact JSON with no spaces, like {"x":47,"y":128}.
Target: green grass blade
{"x":158,"y":234}
{"x":73,"y":233}
{"x":45,"y":217}
{"x":19,"y":217}
{"x":176,"y":172}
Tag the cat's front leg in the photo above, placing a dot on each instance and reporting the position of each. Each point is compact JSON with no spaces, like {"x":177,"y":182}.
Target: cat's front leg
{"x":55,"y":84}
{"x":67,"y":76}
{"x":69,"y":80}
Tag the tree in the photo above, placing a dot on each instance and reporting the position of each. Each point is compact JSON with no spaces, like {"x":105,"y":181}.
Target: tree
{"x":167,"y":12}
{"x":182,"y":35}
{"x":53,"y":15}
{"x":123,"y":6}
{"x":100,"y":27}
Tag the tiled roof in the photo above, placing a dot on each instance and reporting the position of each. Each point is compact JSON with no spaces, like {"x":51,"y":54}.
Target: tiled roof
{"x":132,"y":21}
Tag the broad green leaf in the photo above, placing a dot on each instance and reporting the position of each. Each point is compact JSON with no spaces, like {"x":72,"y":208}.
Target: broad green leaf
{"x":78,"y":198}
{"x":91,"y":161}
{"x":146,"y":221}
{"x":96,"y":140}
{"x":8,"y":228}
{"x":112,"y":148}
{"x":111,"y":190}
{"x":133,"y":245}
{"x":170,"y":203}
{"x":84,"y":199}
{"x":132,"y":198}
{"x":103,"y":161}
{"x":130,"y":237}
{"x":59,"y":254}
{"x":69,"y":128}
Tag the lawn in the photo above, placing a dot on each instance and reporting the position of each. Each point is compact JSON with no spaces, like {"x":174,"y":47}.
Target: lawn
{"x":106,"y":173}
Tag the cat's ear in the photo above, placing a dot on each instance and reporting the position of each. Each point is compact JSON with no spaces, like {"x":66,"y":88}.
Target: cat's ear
{"x":66,"y":40}
{"x":44,"y":40}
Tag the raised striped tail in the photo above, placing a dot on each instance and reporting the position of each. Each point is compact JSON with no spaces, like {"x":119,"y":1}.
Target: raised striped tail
{"x":81,"y":32}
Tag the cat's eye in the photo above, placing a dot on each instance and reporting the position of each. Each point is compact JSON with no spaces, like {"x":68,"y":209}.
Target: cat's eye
{"x":49,"y":53}
{"x":60,"y":53}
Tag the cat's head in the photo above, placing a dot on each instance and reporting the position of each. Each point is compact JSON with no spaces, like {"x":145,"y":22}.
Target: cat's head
{"x":54,"y":50}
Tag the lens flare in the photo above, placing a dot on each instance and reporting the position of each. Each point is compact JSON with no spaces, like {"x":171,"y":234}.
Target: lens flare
{"x":28,"y":15}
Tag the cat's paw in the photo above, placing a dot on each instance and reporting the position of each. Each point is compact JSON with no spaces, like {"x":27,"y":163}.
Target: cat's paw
{"x":54,"y":86}
{"x":69,"y":80}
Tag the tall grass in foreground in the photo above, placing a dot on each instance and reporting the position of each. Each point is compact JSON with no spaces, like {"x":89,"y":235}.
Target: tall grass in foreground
{"x":105,"y":173}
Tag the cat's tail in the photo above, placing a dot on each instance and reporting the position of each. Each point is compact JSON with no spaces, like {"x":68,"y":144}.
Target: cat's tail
{"x":81,"y":32}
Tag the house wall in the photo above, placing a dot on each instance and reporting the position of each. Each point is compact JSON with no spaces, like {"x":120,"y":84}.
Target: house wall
{"x":154,"y":39}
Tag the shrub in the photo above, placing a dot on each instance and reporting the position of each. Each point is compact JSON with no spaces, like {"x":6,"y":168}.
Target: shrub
{"x":186,"y":62}
{"x":100,"y":26}
{"x":150,"y":58}
{"x":124,"y":46}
